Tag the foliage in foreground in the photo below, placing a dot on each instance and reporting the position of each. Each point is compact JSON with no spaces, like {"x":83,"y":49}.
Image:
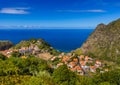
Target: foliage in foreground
{"x":35,"y":71}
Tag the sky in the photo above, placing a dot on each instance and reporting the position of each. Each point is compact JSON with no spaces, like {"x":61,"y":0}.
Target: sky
{"x":58,"y":13}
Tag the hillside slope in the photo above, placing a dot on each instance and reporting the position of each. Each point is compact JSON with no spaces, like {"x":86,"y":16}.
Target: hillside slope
{"x":35,"y":46}
{"x":104,"y":42}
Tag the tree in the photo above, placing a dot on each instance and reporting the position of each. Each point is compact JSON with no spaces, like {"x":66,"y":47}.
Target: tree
{"x":15,"y":54}
{"x":7,"y":67}
{"x":113,"y":77}
{"x":84,"y":80}
{"x":2,"y":57}
{"x":105,"y":83}
{"x":41,"y":78}
{"x":98,"y":70}
{"x":63,"y":76}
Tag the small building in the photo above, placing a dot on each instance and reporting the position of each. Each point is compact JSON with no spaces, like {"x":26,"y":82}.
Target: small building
{"x":71,"y":64}
{"x":81,"y":57}
{"x":59,"y":64}
{"x":93,"y":69}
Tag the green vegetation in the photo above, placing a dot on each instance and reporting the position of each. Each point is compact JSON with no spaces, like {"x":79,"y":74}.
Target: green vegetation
{"x":78,"y":51}
{"x":14,"y":79}
{"x":35,"y":71}
{"x":2,"y":57}
{"x":104,"y":42}
{"x":41,"y":78}
{"x":15,"y":54}
{"x":13,"y":66}
{"x":38,"y":45}
{"x":24,"y":67}
{"x":108,"y":78}
{"x":17,"y":70}
{"x":63,"y":76}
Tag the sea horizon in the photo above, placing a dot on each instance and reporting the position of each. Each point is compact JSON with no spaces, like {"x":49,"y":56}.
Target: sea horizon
{"x":61,"y":39}
{"x":46,"y":28}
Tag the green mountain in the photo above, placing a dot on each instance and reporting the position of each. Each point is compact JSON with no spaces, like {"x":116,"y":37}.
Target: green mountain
{"x":5,"y":45}
{"x":104,"y":42}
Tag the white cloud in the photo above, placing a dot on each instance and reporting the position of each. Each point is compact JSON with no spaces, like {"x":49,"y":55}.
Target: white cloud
{"x":93,"y":11}
{"x":17,"y":10}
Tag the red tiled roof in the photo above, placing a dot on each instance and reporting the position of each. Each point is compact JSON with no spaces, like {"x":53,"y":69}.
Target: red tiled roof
{"x":93,"y":67}
{"x":78,"y":68}
{"x":81,"y":56}
{"x":72,"y":64}
{"x":97,"y":61}
{"x":75,"y":60}
{"x":82,"y":63}
{"x":65,"y":59}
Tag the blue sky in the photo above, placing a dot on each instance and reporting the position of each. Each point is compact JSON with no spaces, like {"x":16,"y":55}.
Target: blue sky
{"x":58,"y":13}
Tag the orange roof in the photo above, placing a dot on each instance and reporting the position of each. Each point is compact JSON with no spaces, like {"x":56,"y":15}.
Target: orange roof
{"x":78,"y":68}
{"x":83,"y":64}
{"x":93,"y":67}
{"x":86,"y":58}
{"x":81,"y":56}
{"x":97,"y":61}
{"x":72,"y":64}
{"x":65,"y":58}
{"x":75,"y":60}
{"x":82,"y":61}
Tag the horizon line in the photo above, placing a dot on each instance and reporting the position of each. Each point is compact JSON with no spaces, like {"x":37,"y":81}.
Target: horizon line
{"x":37,"y":27}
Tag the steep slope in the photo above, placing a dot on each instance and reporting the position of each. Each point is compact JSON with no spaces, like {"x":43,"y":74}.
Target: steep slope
{"x":104,"y":42}
{"x":5,"y":45}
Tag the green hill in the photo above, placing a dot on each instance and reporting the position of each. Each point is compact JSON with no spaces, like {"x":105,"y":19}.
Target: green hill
{"x":37,"y":46}
{"x":104,"y":42}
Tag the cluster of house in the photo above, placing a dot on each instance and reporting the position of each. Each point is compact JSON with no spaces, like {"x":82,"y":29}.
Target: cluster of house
{"x":32,"y":49}
{"x":7,"y":53}
{"x":80,"y":64}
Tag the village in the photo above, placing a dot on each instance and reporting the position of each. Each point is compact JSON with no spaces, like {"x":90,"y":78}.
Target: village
{"x":80,"y":64}
{"x":76,"y":63}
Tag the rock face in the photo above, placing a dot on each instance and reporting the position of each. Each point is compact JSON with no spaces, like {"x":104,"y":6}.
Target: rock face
{"x":104,"y":42}
{"x":5,"y":45}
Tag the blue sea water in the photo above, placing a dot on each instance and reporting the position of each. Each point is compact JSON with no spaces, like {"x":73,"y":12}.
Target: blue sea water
{"x":61,"y":39}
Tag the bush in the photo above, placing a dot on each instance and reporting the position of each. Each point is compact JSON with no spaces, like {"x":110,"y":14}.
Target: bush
{"x":8,"y":68}
{"x":63,"y":76}
{"x":2,"y":57}
{"x":113,"y":77}
{"x":41,"y":78}
{"x":13,"y":80}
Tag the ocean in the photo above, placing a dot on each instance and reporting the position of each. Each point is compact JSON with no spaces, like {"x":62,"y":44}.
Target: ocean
{"x":61,"y":39}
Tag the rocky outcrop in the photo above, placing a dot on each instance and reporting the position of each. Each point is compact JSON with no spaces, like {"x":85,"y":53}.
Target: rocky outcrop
{"x":5,"y":45}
